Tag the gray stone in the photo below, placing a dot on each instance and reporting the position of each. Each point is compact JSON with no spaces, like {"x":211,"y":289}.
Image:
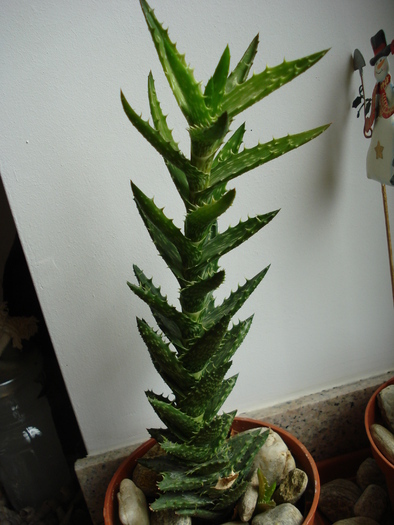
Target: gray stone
{"x":384,"y":440}
{"x":386,"y":404}
{"x":168,"y":517}
{"x":285,"y":514}
{"x":247,"y":502}
{"x":369,"y":473}
{"x":372,"y":503}
{"x":337,"y":499}
{"x":133,"y":509}
{"x":274,"y":459}
{"x":292,"y":487}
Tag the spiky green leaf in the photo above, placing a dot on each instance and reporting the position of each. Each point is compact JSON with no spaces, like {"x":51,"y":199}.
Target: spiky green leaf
{"x":205,"y":347}
{"x":188,"y":453}
{"x":181,"y":325}
{"x":180,"y":180}
{"x":260,"y":85}
{"x":167,"y":320}
{"x":248,"y":159}
{"x":205,"y":141}
{"x":186,"y":89}
{"x":159,"y":120}
{"x":231,"y":342}
{"x":214,"y":431}
{"x":241,"y":71}
{"x":188,"y":251}
{"x":236,"y":299}
{"x":165,"y":247}
{"x":182,"y":425}
{"x":266,"y":491}
{"x":199,"y":396}
{"x":234,"y":236}
{"x":181,"y":481}
{"x":219,"y":397}
{"x":198,"y":220}
{"x":176,"y":501}
{"x":224,"y":500}
{"x":243,"y":448}
{"x":195,"y":296}
{"x":161,"y":434}
{"x":231,"y":147}
{"x":165,"y":361}
{"x":162,"y":463}
{"x":165,"y":148}
{"x":205,"y":447}
{"x":215,"y":464}
{"x":215,"y":87}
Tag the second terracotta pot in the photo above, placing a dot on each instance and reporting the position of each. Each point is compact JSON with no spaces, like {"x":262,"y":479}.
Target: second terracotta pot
{"x":372,"y":416}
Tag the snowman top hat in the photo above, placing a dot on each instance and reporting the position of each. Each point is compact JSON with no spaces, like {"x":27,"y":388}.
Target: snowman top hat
{"x":379,"y":46}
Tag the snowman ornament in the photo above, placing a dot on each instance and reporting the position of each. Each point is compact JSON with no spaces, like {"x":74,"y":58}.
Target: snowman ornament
{"x":379,"y":125}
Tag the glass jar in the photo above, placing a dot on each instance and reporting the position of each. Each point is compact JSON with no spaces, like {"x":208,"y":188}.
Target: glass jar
{"x":32,"y":464}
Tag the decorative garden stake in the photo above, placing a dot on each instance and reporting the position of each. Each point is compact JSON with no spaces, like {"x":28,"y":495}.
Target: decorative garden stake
{"x":379,"y":125}
{"x":204,"y":471}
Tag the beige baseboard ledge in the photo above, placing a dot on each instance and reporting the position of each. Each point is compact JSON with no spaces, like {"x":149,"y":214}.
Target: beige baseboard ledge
{"x":328,"y":423}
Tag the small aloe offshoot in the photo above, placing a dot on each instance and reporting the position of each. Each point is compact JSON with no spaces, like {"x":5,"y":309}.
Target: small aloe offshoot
{"x":204,"y":470}
{"x":266,"y":491}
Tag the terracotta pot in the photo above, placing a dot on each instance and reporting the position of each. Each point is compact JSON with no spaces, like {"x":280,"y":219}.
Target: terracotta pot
{"x":372,"y":415}
{"x":301,"y":455}
{"x":344,"y":466}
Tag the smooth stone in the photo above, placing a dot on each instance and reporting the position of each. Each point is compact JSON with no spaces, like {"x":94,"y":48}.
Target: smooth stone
{"x":369,"y":473}
{"x":292,"y":487}
{"x":386,"y":405}
{"x":168,"y":517}
{"x":372,"y":503}
{"x":133,"y":509}
{"x":274,"y":459}
{"x":285,"y":514}
{"x":357,"y":521}
{"x":337,"y":499}
{"x":384,"y":440}
{"x":247,"y":502}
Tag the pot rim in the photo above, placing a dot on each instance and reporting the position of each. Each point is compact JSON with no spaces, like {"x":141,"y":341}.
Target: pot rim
{"x":369,"y":419}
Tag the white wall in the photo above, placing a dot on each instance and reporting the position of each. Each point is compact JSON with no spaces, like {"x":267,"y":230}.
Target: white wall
{"x":324,"y":313}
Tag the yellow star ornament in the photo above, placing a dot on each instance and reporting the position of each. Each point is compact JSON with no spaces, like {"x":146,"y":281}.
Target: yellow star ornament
{"x":379,"y":151}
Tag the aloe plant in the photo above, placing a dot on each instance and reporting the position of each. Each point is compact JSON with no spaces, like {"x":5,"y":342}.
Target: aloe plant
{"x":204,"y":470}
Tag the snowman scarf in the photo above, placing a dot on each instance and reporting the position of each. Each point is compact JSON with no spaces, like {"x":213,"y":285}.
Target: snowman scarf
{"x":385,"y":110}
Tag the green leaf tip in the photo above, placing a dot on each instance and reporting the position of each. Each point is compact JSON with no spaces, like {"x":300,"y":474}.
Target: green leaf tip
{"x":241,"y":71}
{"x":186,"y":89}
{"x":260,"y":85}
